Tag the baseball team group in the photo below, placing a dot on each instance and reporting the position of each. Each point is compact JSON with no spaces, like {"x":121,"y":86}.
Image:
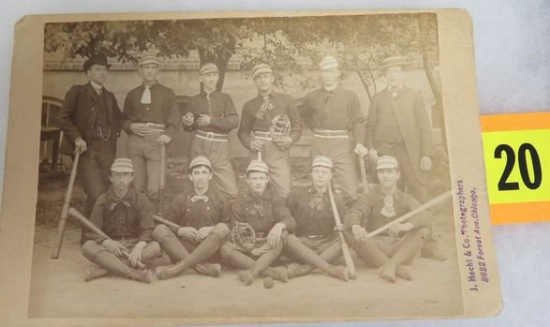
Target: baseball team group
{"x":272,"y":230}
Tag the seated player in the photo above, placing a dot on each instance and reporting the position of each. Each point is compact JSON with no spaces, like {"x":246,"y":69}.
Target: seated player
{"x":395,"y":250}
{"x":201,"y":211}
{"x":315,"y":225}
{"x":126,"y":216}
{"x":266,"y":213}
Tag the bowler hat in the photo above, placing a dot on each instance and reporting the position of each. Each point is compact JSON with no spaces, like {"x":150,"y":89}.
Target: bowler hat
{"x":96,"y":59}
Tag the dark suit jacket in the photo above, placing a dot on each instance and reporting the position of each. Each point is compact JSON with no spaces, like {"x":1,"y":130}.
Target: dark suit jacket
{"x":412,"y":119}
{"x":78,"y":115}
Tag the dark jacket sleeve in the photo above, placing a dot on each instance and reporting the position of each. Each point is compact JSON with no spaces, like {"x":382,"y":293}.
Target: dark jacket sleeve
{"x":282,"y":214}
{"x":423,"y":124}
{"x":230,"y":120}
{"x":127,"y":110}
{"x":66,"y":115}
{"x":358,"y":120}
{"x":306,"y":111}
{"x":97,"y":219}
{"x":175,"y":211}
{"x":245,"y":127}
{"x":372,"y":122}
{"x":236,"y":214}
{"x":146,"y":222}
{"x":359,"y":212}
{"x":172,"y":118}
{"x":295,"y":120}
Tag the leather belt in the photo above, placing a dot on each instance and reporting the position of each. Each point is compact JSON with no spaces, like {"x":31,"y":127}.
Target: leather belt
{"x":210,"y":136}
{"x":263,"y":135}
{"x":330,"y":134}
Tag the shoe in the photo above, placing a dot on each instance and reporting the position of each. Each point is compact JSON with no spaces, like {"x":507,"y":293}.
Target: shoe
{"x":295,"y":270}
{"x":403,"y":272}
{"x":277,"y":273}
{"x":143,"y":276}
{"x":169,"y":271}
{"x":387,"y":272}
{"x":341,"y":272}
{"x":94,"y":272}
{"x":212,"y":269}
{"x":246,"y":277}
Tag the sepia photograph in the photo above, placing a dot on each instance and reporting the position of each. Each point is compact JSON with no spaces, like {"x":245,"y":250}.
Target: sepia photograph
{"x":254,"y":169}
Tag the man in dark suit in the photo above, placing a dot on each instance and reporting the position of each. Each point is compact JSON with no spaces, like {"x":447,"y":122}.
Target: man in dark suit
{"x":90,"y":120}
{"x":398,"y":126}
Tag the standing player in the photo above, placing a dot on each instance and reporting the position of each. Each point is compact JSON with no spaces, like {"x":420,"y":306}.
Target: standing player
{"x":216,"y":117}
{"x":202,"y":214}
{"x":311,"y":208}
{"x":394,"y":251}
{"x":90,"y":120}
{"x":256,"y":123}
{"x":334,"y":113}
{"x":126,"y":216}
{"x":151,"y":121}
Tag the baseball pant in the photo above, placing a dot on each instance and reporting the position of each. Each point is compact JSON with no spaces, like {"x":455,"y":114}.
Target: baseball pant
{"x":339,"y":150}
{"x":218,"y":154}
{"x":145,"y":153}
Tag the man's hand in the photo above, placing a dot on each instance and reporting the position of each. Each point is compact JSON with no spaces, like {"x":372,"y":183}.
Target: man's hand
{"x":361,"y":150}
{"x":203,"y":232}
{"x":187,"y":233}
{"x":140,"y":129}
{"x":256,"y":145}
{"x":359,"y":233}
{"x":396,"y":229}
{"x":135,"y":255}
{"x":80,"y":145}
{"x":188,"y":119}
{"x":204,"y":120}
{"x":283,"y":142}
{"x":425,"y":163}
{"x":274,"y":236}
{"x":114,"y":247}
{"x":164,"y":139}
{"x":339,"y":227}
{"x":373,"y":154}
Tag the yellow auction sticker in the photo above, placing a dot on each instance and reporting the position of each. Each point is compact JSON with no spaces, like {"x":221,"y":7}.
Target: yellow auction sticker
{"x":517,"y":162}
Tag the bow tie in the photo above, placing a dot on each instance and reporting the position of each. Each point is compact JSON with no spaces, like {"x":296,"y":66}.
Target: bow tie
{"x":116,"y":201}
{"x":266,"y":105}
{"x":388,"y":210}
{"x":196,"y":198}
{"x":395,"y":90}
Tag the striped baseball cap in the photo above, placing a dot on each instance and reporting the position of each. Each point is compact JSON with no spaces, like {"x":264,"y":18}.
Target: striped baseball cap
{"x":148,"y":59}
{"x":261,"y":69}
{"x":257,"y":165}
{"x":200,"y":161}
{"x":386,"y":162}
{"x":322,"y":161}
{"x":395,"y":61}
{"x":209,"y":68}
{"x":123,"y":165}
{"x":328,"y":62}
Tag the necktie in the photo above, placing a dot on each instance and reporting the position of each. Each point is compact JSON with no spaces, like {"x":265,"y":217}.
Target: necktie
{"x":146,"y":97}
{"x":196,"y":198}
{"x":388,"y":210}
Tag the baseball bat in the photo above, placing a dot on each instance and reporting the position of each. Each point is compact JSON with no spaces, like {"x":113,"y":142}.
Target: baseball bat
{"x":162,"y":178}
{"x":65,"y":208}
{"x":363,"y":173}
{"x":90,"y":226}
{"x":411,"y":213}
{"x":345,"y":248}
{"x":168,"y":223}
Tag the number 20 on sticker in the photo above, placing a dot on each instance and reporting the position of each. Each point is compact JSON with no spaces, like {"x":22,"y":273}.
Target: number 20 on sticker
{"x":515,"y":165}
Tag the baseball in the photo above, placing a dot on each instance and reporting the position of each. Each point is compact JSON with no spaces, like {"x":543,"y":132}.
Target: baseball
{"x":268,"y":283}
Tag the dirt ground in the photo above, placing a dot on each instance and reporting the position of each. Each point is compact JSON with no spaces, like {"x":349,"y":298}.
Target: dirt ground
{"x":58,"y":288}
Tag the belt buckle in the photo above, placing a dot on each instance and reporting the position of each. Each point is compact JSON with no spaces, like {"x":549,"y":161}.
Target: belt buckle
{"x":209,"y":135}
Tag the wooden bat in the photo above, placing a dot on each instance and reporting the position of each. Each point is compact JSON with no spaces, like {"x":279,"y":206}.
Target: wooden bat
{"x":162,"y":178}
{"x":411,"y":213}
{"x":345,"y":248}
{"x":63,"y":217}
{"x":90,"y":226}
{"x":363,"y":173}
{"x":168,"y":223}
